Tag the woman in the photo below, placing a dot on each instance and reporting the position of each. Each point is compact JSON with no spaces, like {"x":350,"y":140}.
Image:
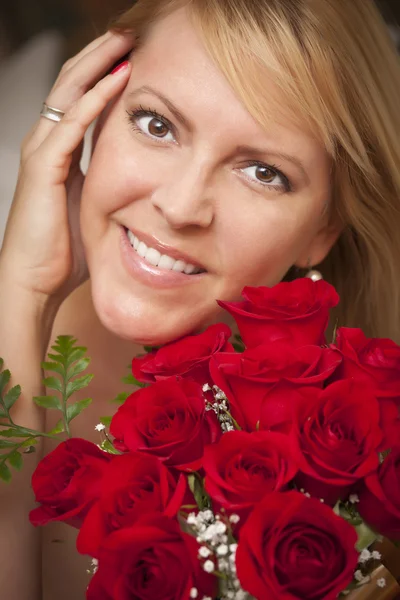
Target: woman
{"x":243,"y":142}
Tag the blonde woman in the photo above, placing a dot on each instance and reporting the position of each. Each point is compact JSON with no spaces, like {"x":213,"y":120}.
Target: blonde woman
{"x":243,"y":142}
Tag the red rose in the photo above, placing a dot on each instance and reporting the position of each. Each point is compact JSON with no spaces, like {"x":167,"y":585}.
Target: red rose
{"x":169,"y":421}
{"x":296,"y":311}
{"x":253,"y":373}
{"x":376,"y":364}
{"x":242,"y":467}
{"x":380,"y":497}
{"x":133,"y":484}
{"x":67,"y":481}
{"x":338,"y":435}
{"x":188,"y":357}
{"x":153,"y":559}
{"x":294,"y":547}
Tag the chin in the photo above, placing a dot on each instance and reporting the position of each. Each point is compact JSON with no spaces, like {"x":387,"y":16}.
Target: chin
{"x":137,"y":322}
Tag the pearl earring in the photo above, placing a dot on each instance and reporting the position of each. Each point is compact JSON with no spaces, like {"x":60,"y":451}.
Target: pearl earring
{"x":313,"y":274}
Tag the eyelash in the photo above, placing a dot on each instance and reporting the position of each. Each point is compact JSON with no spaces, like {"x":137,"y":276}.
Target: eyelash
{"x":139,"y":112}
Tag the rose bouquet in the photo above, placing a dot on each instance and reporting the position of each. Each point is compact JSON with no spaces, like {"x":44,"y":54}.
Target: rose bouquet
{"x":265,"y":468}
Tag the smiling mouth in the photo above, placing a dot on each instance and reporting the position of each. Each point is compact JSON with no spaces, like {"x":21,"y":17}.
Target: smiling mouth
{"x":162,"y":261}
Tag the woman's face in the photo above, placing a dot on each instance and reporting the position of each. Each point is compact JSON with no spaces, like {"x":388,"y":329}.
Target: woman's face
{"x":182,"y":165}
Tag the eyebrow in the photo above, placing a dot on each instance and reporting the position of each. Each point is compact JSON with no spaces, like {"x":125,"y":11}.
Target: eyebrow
{"x":242,"y":149}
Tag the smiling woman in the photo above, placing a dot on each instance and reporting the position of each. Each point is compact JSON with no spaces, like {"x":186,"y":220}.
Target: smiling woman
{"x":243,"y":142}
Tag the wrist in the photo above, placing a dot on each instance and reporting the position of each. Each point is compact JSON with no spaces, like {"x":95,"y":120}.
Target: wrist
{"x":26,"y":314}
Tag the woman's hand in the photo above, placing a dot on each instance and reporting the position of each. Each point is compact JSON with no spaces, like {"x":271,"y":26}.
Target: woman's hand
{"x":42,"y":251}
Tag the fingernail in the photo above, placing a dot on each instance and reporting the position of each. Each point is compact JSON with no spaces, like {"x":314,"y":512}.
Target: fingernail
{"x":120,"y":67}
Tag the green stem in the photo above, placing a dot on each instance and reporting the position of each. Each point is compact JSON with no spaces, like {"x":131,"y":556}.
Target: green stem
{"x":64,"y":403}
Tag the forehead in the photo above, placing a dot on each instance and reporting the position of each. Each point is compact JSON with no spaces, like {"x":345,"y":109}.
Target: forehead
{"x":174,"y":60}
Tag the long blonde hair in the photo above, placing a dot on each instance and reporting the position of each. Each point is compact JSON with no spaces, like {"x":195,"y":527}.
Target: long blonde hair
{"x":339,"y":70}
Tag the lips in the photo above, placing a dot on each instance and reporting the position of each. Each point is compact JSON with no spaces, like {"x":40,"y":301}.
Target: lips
{"x":161,"y":255}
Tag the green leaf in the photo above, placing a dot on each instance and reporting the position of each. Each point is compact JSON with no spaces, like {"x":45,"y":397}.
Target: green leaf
{"x":106,"y":421}
{"x":197,"y":489}
{"x":120,"y":399}
{"x":5,"y":473}
{"x":59,"y":428}
{"x":47,"y":402}
{"x":7,"y":444}
{"x":15,"y":460}
{"x":78,"y":367}
{"x":149,"y":349}
{"x":12,"y":396}
{"x":78,"y":384}
{"x":4,"y":379}
{"x":1,"y":364}
{"x":57,"y":358}
{"x":56,"y":367}
{"x":53,"y":383}
{"x":130,"y":380}
{"x":108,"y":447}
{"x":75,"y":409}
{"x":365,"y":536}
{"x":75,"y":355}
{"x":18,"y":432}
{"x":28,"y":444}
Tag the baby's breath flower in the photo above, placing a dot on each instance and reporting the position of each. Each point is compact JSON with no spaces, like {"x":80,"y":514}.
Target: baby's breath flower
{"x":234,"y":519}
{"x":100,"y":427}
{"x":381,"y":582}
{"x":193,"y":593}
{"x":353,"y":499}
{"x":204,"y":552}
{"x":364,"y":556}
{"x":222,"y":550}
{"x":208,"y":566}
{"x":376,"y":555}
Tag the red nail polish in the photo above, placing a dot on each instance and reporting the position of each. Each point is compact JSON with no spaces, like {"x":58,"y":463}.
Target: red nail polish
{"x":120,"y":67}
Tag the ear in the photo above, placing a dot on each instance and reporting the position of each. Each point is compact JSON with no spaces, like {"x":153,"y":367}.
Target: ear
{"x":320,"y":245}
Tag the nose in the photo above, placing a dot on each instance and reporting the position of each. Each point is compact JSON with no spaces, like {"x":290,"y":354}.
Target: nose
{"x":186,"y":198}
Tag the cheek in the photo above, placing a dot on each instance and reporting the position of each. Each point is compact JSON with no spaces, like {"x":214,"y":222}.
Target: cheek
{"x":260,"y":246}
{"x":116,"y":177}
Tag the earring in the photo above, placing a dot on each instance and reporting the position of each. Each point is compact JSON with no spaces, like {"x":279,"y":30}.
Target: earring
{"x":313,"y":274}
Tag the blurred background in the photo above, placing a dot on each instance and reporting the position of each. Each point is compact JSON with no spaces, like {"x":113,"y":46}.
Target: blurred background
{"x":36,"y":37}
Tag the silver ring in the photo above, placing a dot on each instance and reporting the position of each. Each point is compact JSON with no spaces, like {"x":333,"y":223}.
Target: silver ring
{"x":54,"y":114}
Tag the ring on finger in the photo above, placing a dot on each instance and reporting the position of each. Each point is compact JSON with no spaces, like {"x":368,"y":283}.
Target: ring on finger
{"x":49,"y":112}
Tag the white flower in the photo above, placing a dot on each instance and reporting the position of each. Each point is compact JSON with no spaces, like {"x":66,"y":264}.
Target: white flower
{"x":192,"y":519}
{"x":233,"y":548}
{"x":358,"y":576}
{"x":100,"y":427}
{"x":206,"y":387}
{"x":222,"y":550}
{"x":353,"y":499}
{"x":234,"y":519}
{"x":193,"y":593}
{"x":208,"y":566}
{"x":204,"y":552}
{"x":364,"y":556}
{"x":376,"y":555}
{"x":381,"y":582}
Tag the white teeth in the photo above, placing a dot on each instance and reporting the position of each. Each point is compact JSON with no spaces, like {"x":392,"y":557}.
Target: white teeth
{"x":142,"y":249}
{"x":166,"y":262}
{"x":153,"y":256}
{"x":189,"y":269}
{"x":179,"y":265}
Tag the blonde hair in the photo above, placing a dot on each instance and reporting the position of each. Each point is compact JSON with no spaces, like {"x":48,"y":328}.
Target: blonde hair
{"x":339,"y":70}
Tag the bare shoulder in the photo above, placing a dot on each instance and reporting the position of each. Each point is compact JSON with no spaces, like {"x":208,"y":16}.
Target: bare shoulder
{"x":64,"y":571}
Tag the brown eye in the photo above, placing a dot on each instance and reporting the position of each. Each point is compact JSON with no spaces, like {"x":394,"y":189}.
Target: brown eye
{"x":157,"y":128}
{"x":264,"y":174}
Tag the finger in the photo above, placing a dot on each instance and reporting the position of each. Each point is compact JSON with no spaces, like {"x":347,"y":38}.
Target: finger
{"x":75,"y":82}
{"x":71,"y":62}
{"x":57,"y":148}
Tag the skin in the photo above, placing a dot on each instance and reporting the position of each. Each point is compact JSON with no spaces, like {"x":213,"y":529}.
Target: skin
{"x":194,"y":191}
